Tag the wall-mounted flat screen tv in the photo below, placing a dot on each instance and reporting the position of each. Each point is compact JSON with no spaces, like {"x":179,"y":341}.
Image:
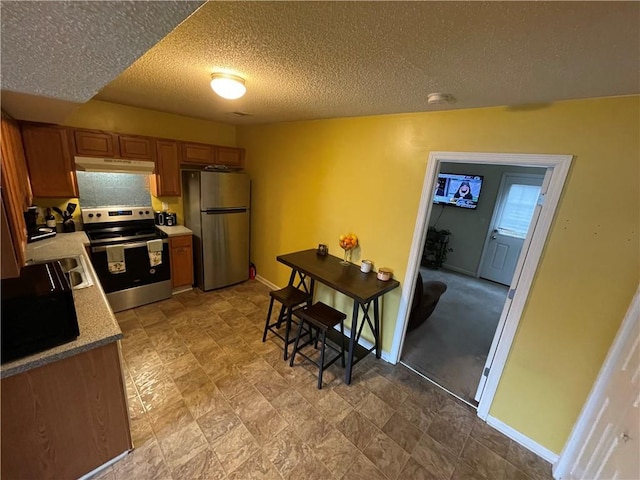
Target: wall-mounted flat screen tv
{"x":458,"y":190}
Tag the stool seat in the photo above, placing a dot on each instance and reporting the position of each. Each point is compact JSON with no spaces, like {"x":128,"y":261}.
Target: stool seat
{"x":322,"y":317}
{"x":290,"y":297}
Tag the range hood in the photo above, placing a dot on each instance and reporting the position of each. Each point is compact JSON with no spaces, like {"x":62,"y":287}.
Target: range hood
{"x":114,"y":165}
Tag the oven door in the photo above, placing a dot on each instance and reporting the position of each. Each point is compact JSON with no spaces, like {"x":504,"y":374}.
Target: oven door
{"x":138,"y":270}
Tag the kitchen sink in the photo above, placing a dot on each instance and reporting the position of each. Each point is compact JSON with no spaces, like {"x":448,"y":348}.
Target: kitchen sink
{"x":74,"y":268}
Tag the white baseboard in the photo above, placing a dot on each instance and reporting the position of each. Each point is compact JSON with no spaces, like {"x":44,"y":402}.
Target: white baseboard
{"x":266,"y":282}
{"x":469,"y":273}
{"x":363,"y":342}
{"x":523,"y":440}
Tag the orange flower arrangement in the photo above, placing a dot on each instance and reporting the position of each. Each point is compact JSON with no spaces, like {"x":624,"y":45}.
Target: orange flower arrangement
{"x":348,"y":242}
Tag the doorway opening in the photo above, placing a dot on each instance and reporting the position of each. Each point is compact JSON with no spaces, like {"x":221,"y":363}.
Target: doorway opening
{"x":468,"y":261}
{"x":555,"y":169}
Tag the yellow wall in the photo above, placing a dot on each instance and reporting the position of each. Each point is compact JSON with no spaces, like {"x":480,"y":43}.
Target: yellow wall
{"x":313,"y":181}
{"x":114,"y":117}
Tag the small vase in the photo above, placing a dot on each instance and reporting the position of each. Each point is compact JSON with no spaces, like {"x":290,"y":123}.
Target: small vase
{"x":347,"y":258}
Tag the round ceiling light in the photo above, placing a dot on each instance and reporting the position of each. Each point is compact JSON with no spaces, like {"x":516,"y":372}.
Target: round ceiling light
{"x":228,"y":86}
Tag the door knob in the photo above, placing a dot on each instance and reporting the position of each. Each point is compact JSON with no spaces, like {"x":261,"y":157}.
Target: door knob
{"x":625,"y":437}
{"x":493,"y":237}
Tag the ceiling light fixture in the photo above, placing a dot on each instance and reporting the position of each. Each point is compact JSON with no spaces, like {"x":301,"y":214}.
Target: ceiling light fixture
{"x":228,"y":86}
{"x":439,"y":98}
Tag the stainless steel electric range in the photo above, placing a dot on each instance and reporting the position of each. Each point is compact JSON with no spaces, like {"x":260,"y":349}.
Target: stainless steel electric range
{"x":128,"y":234}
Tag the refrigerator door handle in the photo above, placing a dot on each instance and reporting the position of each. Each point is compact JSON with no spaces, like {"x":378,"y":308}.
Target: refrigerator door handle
{"x":218,"y":211}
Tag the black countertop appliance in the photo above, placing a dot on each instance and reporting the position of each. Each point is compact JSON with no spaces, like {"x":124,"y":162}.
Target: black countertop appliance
{"x":38,"y":312}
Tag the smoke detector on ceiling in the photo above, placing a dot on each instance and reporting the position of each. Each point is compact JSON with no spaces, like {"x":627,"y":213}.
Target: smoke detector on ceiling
{"x":440,"y":99}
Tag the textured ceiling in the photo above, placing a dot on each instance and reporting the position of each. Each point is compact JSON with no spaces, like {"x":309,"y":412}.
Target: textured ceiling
{"x":70,"y":50}
{"x":312,"y":60}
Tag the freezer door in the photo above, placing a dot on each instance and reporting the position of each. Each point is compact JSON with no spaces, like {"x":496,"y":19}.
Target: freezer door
{"x":225,"y":248}
{"x":223,"y":190}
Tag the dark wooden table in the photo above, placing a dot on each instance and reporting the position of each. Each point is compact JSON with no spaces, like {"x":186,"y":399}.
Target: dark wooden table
{"x":364,"y":288}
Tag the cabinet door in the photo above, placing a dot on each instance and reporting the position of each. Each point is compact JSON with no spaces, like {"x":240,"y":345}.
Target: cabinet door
{"x":181,"y":261}
{"x":197,"y":153}
{"x":49,"y":161}
{"x":167,"y":169}
{"x":135,"y":148}
{"x":229,"y":156}
{"x":66,"y":418}
{"x":94,"y":143}
{"x":16,"y":197}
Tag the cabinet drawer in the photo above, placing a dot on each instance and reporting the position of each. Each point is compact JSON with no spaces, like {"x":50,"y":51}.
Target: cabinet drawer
{"x":181,"y":241}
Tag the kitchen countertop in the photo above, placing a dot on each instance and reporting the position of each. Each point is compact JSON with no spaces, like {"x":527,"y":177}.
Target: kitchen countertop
{"x":175,"y":231}
{"x":97,"y":323}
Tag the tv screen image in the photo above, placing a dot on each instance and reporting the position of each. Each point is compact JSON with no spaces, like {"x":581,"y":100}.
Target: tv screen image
{"x":458,"y":190}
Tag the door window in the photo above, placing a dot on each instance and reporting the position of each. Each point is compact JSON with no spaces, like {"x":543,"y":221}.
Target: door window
{"x":517,"y":210}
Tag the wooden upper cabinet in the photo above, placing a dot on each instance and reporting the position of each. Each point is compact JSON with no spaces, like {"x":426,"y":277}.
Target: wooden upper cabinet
{"x":49,"y":159}
{"x":136,"y":148}
{"x":16,"y":197}
{"x":167,"y":176}
{"x":204,"y":154}
{"x":197,"y":153}
{"x":229,"y":156}
{"x":94,"y":143}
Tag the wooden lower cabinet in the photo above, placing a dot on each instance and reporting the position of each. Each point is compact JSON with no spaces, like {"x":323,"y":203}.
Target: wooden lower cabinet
{"x":181,"y":261}
{"x":63,"y":420}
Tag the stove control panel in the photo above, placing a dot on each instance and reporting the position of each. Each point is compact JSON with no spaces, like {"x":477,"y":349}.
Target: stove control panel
{"x":116,"y":214}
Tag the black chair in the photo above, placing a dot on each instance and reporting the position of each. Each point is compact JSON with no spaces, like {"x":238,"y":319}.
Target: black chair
{"x":321,"y":317}
{"x":290,"y":297}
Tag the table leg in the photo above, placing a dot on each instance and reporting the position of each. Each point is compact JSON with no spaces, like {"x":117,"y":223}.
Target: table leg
{"x":292,"y":277}
{"x":376,"y":322}
{"x":352,"y":342}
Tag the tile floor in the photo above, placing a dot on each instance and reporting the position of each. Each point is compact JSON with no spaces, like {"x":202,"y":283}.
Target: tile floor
{"x":208,"y":400}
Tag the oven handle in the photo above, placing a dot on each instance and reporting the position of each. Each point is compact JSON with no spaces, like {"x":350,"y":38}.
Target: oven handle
{"x":126,"y":246}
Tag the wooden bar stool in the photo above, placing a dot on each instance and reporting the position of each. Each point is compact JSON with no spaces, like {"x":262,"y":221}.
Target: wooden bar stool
{"x":322,"y":317}
{"x":290,"y":297}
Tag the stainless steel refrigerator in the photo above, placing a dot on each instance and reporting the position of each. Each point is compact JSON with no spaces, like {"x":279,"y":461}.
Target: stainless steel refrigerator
{"x":216,"y":209}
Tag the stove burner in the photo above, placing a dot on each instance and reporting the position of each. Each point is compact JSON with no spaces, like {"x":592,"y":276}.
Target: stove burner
{"x":121,"y":230}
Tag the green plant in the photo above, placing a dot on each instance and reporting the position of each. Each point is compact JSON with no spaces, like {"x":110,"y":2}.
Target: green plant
{"x":436,"y":247}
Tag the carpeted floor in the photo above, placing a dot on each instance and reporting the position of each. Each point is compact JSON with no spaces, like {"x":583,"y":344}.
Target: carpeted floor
{"x":451,"y":347}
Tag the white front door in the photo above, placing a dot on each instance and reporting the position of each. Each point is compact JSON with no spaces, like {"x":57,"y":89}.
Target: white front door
{"x":604,"y":443}
{"x":515,"y":205}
